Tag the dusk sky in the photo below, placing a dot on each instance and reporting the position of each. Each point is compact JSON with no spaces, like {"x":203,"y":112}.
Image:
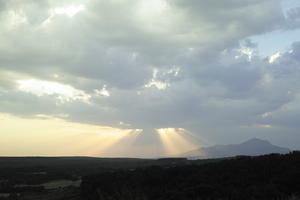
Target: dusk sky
{"x":147,"y":78}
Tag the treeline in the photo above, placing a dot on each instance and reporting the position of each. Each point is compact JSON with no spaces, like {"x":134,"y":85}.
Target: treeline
{"x":25,"y":175}
{"x":263,"y":177}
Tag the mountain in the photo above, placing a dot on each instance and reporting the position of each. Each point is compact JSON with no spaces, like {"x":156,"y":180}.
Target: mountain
{"x":251,"y":147}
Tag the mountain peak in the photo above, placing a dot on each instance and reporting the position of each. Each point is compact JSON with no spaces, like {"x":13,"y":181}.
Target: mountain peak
{"x":256,"y":141}
{"x":251,"y":147}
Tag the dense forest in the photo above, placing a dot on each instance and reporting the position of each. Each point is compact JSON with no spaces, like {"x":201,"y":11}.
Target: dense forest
{"x":272,"y":176}
{"x":27,"y":176}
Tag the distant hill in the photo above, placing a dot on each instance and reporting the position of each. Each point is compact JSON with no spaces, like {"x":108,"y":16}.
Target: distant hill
{"x":252,"y":147}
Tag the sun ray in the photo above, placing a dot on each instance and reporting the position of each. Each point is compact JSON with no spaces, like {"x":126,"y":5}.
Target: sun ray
{"x":123,"y":145}
{"x":54,"y":136}
{"x":168,"y":144}
{"x":197,"y":139}
{"x":106,"y":144}
{"x":174,"y":142}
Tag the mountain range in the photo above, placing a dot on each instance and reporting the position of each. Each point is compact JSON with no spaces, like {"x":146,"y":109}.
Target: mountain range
{"x":252,"y":147}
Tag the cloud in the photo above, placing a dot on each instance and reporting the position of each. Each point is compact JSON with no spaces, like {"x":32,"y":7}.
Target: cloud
{"x":147,"y":64}
{"x":293,"y":18}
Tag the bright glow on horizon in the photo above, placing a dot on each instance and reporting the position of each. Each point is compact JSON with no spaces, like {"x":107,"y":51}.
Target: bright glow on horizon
{"x":50,"y":136}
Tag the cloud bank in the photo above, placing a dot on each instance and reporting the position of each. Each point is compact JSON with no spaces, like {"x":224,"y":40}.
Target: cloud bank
{"x":139,"y":64}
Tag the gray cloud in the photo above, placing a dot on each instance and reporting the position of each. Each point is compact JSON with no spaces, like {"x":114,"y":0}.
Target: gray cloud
{"x":293,"y":18}
{"x":206,"y":70}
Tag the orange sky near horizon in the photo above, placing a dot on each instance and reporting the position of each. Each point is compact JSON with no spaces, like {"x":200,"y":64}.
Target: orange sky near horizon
{"x":48,"y":136}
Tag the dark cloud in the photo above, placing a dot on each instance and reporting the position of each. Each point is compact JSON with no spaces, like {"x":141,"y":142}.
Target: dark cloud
{"x":168,"y":63}
{"x":293,"y":18}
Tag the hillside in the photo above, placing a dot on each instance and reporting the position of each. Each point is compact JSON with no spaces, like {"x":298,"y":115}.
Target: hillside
{"x":269,"y":177}
{"x":252,"y":147}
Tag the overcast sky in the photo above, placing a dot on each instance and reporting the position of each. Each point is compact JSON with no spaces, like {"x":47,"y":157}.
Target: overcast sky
{"x":212,"y":72}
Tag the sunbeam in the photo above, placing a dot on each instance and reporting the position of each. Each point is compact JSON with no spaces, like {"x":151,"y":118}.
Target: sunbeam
{"x":104,"y":144}
{"x":174,"y":142}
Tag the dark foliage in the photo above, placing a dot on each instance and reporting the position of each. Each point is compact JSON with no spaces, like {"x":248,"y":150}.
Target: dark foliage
{"x":23,"y":175}
{"x":264,"y":177}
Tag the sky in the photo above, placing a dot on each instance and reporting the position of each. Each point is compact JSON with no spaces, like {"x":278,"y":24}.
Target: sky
{"x":140,"y":78}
